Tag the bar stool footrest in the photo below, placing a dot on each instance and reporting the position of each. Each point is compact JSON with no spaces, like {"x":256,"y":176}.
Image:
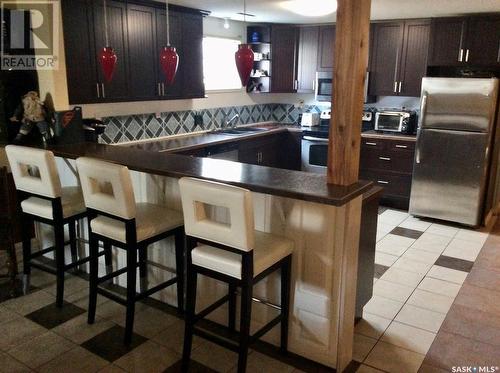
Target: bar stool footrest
{"x":227,"y":343}
{"x":271,"y":324}
{"x":156,"y":288}
{"x":211,"y":308}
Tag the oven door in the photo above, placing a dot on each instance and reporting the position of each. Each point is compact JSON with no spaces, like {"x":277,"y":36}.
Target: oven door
{"x":389,"y":121}
{"x":314,"y":154}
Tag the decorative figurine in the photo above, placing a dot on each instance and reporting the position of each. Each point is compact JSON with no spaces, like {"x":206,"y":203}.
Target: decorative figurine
{"x":31,"y":113}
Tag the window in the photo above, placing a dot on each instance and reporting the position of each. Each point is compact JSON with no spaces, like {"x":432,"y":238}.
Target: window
{"x":218,"y":64}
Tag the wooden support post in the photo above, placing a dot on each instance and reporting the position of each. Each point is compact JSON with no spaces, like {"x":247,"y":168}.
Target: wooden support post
{"x":351,"y":59}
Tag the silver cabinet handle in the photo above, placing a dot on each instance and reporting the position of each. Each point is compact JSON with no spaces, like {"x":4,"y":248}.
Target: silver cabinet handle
{"x":163,"y":89}
{"x":384,"y":158}
{"x":371,"y":143}
{"x":467,"y":55}
{"x":382,"y":182}
{"x":103,"y":91}
{"x":158,"y":91}
{"x":460,"y":55}
{"x":401,"y":146}
{"x":296,"y":84}
{"x":395,"y":87}
{"x":314,"y":80}
{"x":98,"y":91}
{"x":400,"y":84}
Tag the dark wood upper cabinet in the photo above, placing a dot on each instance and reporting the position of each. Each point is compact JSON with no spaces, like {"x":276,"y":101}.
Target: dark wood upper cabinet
{"x":399,"y":58}
{"x":284,"y":56}
{"x":447,"y":41}
{"x":326,"y":52}
{"x":191,"y":64}
{"x":307,"y":58}
{"x":386,"y":58}
{"x":472,"y":41}
{"x":414,"y":57}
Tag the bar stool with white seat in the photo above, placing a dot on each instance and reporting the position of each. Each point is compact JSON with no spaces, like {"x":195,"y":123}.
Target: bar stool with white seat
{"x":234,"y":253}
{"x":43,"y":199}
{"x":116,"y":219}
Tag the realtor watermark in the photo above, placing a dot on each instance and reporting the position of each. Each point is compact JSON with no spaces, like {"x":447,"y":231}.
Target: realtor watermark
{"x":30,"y":35}
{"x":474,"y":369}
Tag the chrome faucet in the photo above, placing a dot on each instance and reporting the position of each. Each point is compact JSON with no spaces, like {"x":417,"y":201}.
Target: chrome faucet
{"x":233,"y":119}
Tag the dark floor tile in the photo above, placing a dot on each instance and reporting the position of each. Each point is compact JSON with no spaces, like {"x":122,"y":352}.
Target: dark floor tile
{"x":454,"y":263}
{"x":109,"y":344}
{"x":352,"y":367}
{"x":379,"y":270}
{"x":451,"y":350}
{"x":479,"y":325}
{"x":484,"y":278}
{"x":405,"y":232}
{"x":194,"y":367}
{"x":51,"y":316}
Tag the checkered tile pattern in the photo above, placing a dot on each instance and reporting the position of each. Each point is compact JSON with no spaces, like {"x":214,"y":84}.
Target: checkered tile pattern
{"x":148,"y":126}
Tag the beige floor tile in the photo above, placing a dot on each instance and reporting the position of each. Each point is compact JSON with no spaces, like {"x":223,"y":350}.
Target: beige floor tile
{"x":467,"y":250}
{"x":41,"y":279}
{"x":371,"y":325}
{"x":29,"y":303}
{"x":393,"y":217}
{"x":412,"y":266}
{"x":148,"y":357}
{"x":385,"y":259}
{"x":18,"y":331}
{"x":394,"y":359}
{"x":173,"y":337}
{"x":421,"y":256}
{"x":383,"y":307}
{"x":72,"y":285}
{"x":408,"y":337}
{"x":420,"y":318}
{"x":402,"y":277}
{"x":447,"y":274}
{"x":392,"y":290}
{"x":79,"y":331}
{"x":442,"y":230}
{"x":431,"y":301}
{"x":362,"y":347}
{"x":431,"y":242}
{"x":366,"y":369}
{"x":260,"y":363}
{"x":77,"y":360}
{"x":215,"y":357}
{"x":80,"y":298}
{"x":472,"y":235}
{"x":42,"y":349}
{"x":415,"y":223}
{"x":439,"y":287}
{"x":7,"y":315}
{"x":10,"y":365}
{"x":394,"y":244}
{"x":111,"y":368}
{"x":150,"y":322}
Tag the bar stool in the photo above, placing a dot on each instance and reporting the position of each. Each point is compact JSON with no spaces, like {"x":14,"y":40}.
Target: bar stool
{"x":42,"y":199}
{"x":116,"y":219}
{"x":234,"y":253}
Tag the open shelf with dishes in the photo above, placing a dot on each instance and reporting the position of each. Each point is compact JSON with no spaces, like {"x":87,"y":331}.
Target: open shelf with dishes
{"x":259,"y":37}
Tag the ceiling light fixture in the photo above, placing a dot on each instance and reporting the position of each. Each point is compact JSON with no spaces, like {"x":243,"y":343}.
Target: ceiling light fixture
{"x":310,"y":8}
{"x":244,"y":55}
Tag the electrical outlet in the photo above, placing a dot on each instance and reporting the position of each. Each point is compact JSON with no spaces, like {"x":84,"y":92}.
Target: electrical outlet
{"x":300,"y":104}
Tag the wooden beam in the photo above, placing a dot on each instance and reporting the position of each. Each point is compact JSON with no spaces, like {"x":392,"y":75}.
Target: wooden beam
{"x":351,"y":60}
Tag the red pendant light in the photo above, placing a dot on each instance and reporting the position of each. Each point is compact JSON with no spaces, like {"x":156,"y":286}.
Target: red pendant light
{"x":244,"y":62}
{"x":107,"y":56}
{"x":169,"y":59}
{"x":244,"y":55}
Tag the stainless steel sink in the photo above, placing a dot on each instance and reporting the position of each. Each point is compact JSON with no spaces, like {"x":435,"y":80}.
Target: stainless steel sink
{"x":239,"y":131}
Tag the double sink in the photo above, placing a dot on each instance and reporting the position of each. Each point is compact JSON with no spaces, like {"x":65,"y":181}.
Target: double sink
{"x":240,"y":131}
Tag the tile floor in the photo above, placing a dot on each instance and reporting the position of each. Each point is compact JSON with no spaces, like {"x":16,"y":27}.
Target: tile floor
{"x":421,"y":267}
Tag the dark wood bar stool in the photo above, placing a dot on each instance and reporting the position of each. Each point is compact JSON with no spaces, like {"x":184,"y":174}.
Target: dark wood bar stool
{"x":43,"y":199}
{"x":234,"y":253}
{"x":117,"y":220}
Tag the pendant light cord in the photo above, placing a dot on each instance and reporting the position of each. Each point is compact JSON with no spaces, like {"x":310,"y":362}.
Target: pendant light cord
{"x":106,"y":23}
{"x":168,"y":24}
{"x":244,"y":12}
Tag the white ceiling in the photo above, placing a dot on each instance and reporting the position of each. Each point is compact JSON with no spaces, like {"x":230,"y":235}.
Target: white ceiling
{"x":271,"y":10}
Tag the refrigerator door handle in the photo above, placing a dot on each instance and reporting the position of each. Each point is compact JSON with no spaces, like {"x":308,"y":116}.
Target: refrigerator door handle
{"x":423,"y":108}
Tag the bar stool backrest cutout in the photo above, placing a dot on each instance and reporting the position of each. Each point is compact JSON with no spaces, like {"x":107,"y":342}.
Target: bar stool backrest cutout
{"x":34,"y":170}
{"x":197,"y":194}
{"x":107,"y":187}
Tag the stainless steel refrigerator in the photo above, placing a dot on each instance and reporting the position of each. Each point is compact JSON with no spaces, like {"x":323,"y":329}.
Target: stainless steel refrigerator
{"x":454,"y":142}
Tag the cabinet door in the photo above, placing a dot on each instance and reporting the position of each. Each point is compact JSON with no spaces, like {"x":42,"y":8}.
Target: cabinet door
{"x":414,"y":58}
{"x":175,"y":90}
{"x":80,"y":51}
{"x":283,"y":56}
{"x":447,"y":41}
{"x":483,"y":41}
{"x":386,"y":58}
{"x":326,"y":48}
{"x":191,"y":64}
{"x":118,"y":88}
{"x":141,"y":22}
{"x":308,"y":59}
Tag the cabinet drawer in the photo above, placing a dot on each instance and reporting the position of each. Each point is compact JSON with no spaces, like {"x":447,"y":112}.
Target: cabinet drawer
{"x":372,"y":144}
{"x":401,"y":146}
{"x":398,"y":185}
{"x":387,"y":161}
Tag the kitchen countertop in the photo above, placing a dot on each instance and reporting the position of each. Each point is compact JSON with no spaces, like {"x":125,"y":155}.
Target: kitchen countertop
{"x":388,"y":135}
{"x":291,"y":184}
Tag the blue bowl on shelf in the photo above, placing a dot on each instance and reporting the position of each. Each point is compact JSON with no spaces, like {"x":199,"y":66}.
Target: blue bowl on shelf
{"x":255,"y":37}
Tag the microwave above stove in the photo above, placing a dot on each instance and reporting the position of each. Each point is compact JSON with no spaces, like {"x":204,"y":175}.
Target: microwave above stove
{"x":400,"y":121}
{"x":324,"y":87}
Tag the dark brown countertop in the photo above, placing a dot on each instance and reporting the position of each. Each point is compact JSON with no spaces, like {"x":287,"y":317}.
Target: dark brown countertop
{"x":292,"y":184}
{"x":388,"y":135}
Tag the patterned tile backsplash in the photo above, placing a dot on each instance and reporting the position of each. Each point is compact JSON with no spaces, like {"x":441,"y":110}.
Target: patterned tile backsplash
{"x":148,"y":126}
